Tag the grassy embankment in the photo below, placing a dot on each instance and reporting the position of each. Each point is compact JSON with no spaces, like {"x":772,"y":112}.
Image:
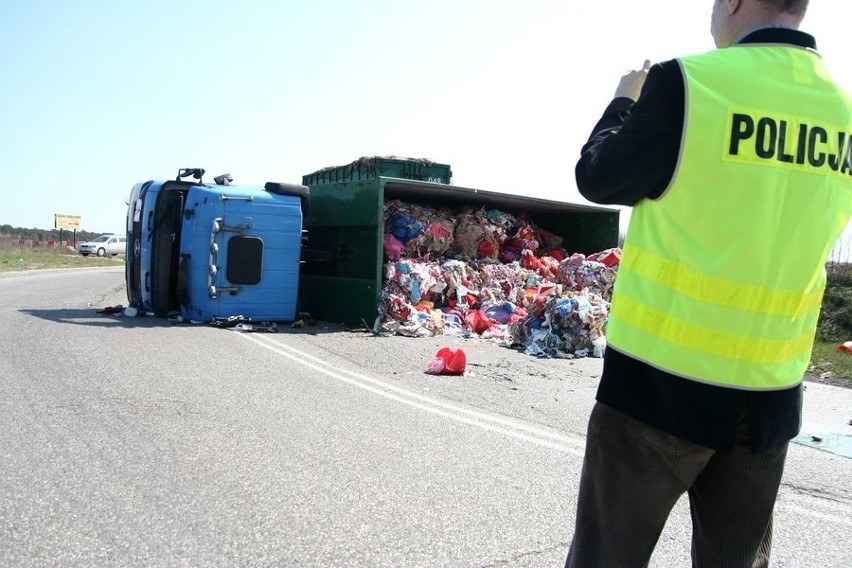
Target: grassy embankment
{"x":835,"y":326}
{"x":27,"y":260}
{"x":835,"y":322}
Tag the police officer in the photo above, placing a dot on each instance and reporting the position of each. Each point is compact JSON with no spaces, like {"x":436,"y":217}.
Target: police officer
{"x":738,"y":164}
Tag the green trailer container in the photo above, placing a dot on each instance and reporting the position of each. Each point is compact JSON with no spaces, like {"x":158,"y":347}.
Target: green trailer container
{"x":342,"y":272}
{"x":373,"y":167}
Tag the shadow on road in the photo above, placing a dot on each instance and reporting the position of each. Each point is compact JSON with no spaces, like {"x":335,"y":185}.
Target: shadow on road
{"x":91,"y":318}
{"x":98,"y":317}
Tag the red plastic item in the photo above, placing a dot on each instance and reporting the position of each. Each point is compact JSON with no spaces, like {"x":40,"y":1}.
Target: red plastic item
{"x":846,"y":347}
{"x":476,"y":321}
{"x":611,"y":257}
{"x":488,"y":249}
{"x":529,"y":261}
{"x":448,"y":361}
{"x":556,"y":254}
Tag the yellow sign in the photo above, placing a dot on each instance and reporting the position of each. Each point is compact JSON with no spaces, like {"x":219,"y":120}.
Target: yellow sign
{"x":66,"y":221}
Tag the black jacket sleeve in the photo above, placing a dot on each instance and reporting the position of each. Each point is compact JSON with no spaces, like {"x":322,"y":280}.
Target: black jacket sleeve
{"x":634,"y":148}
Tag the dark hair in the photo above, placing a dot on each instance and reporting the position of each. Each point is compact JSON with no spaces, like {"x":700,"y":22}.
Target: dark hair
{"x":788,"y":6}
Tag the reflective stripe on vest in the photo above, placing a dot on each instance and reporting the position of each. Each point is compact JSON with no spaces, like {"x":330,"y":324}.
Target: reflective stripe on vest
{"x":722,"y":278}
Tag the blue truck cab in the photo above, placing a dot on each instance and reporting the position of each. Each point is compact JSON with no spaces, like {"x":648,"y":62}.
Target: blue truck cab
{"x":213,"y":251}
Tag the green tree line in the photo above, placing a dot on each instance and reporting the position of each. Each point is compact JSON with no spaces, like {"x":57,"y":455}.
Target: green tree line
{"x":10,"y":232}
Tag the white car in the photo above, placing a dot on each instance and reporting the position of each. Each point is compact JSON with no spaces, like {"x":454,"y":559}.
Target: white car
{"x":104,"y":245}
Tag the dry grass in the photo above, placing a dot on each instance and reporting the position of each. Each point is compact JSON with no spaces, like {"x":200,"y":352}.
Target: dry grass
{"x":828,"y":365}
{"x":22,"y":259}
{"x":835,"y":327}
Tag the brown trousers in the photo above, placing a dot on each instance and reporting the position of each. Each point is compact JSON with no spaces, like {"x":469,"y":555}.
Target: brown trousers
{"x":633,"y":474}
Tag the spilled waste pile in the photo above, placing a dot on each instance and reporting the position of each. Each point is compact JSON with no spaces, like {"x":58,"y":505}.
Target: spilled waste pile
{"x":487,"y":273}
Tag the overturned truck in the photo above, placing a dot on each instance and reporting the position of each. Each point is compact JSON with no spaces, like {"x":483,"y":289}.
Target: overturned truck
{"x":208,"y":251}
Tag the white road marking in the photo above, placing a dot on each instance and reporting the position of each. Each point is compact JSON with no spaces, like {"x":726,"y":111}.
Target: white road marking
{"x":810,"y":512}
{"x":501,"y":425}
{"x":491,"y":422}
{"x":824,"y":509}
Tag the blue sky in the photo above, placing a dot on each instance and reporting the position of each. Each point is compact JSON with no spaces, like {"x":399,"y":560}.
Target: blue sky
{"x":98,"y":95}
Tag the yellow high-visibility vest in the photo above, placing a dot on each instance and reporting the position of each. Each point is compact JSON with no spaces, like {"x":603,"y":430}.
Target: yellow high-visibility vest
{"x":722,"y":277}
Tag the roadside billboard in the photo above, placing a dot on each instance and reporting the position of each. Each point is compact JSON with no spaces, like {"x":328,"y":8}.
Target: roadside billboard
{"x":73,"y":222}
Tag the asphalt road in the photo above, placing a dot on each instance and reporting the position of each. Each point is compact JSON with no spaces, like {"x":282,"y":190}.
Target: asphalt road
{"x":134,"y":442}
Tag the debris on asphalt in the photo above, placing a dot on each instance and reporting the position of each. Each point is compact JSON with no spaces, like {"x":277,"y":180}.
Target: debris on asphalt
{"x":448,"y":361}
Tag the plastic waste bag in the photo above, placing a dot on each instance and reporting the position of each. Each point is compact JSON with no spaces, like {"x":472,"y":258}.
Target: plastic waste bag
{"x":448,"y":361}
